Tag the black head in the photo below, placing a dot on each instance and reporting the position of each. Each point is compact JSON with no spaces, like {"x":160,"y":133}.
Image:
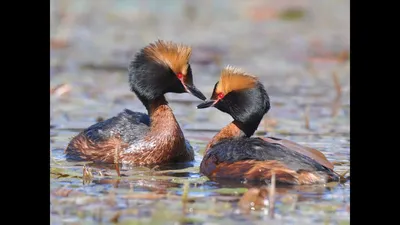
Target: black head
{"x":240,"y":95}
{"x":162,"y":67}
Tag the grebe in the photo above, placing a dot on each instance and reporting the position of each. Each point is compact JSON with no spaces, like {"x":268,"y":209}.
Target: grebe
{"x":234,"y":154}
{"x":136,"y":138}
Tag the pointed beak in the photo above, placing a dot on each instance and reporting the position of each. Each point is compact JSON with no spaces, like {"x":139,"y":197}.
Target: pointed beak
{"x":207,"y":104}
{"x":194,"y":91}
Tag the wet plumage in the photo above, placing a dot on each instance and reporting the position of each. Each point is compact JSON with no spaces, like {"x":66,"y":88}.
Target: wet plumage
{"x":234,"y":154}
{"x":144,"y":139}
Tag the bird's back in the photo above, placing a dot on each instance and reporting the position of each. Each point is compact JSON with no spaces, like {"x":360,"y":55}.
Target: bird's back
{"x":239,"y":149}
{"x":99,"y":141}
{"x":130,"y":126}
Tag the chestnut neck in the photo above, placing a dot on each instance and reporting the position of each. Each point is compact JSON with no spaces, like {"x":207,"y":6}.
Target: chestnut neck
{"x":162,"y":118}
{"x":153,"y":107}
{"x":232,"y":130}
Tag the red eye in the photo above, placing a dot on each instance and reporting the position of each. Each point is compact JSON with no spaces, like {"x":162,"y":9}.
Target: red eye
{"x":179,"y":75}
{"x":221,"y":95}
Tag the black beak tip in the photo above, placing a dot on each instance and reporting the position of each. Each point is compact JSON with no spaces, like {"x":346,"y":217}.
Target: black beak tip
{"x":201,"y":96}
{"x":195,"y":92}
{"x":206,"y":104}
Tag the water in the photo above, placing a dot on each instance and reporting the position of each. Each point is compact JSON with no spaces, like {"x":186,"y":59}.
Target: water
{"x":283,"y":54}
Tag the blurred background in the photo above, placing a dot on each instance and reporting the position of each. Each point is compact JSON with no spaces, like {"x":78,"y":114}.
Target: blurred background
{"x":299,"y":49}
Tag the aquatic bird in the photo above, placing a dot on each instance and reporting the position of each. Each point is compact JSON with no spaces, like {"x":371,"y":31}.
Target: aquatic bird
{"x":135,"y":138}
{"x":234,"y":154}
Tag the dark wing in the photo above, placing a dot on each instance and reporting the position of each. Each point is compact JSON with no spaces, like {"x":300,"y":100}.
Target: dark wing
{"x":238,"y":149}
{"x":306,"y":151}
{"x":130,"y":125}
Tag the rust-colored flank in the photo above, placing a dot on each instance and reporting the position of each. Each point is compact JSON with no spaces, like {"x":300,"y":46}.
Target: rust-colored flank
{"x":103,"y":151}
{"x":261,"y":170}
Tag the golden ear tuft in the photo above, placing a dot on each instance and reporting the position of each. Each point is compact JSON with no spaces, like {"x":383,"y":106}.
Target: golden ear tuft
{"x":234,"y":79}
{"x":176,"y":56}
